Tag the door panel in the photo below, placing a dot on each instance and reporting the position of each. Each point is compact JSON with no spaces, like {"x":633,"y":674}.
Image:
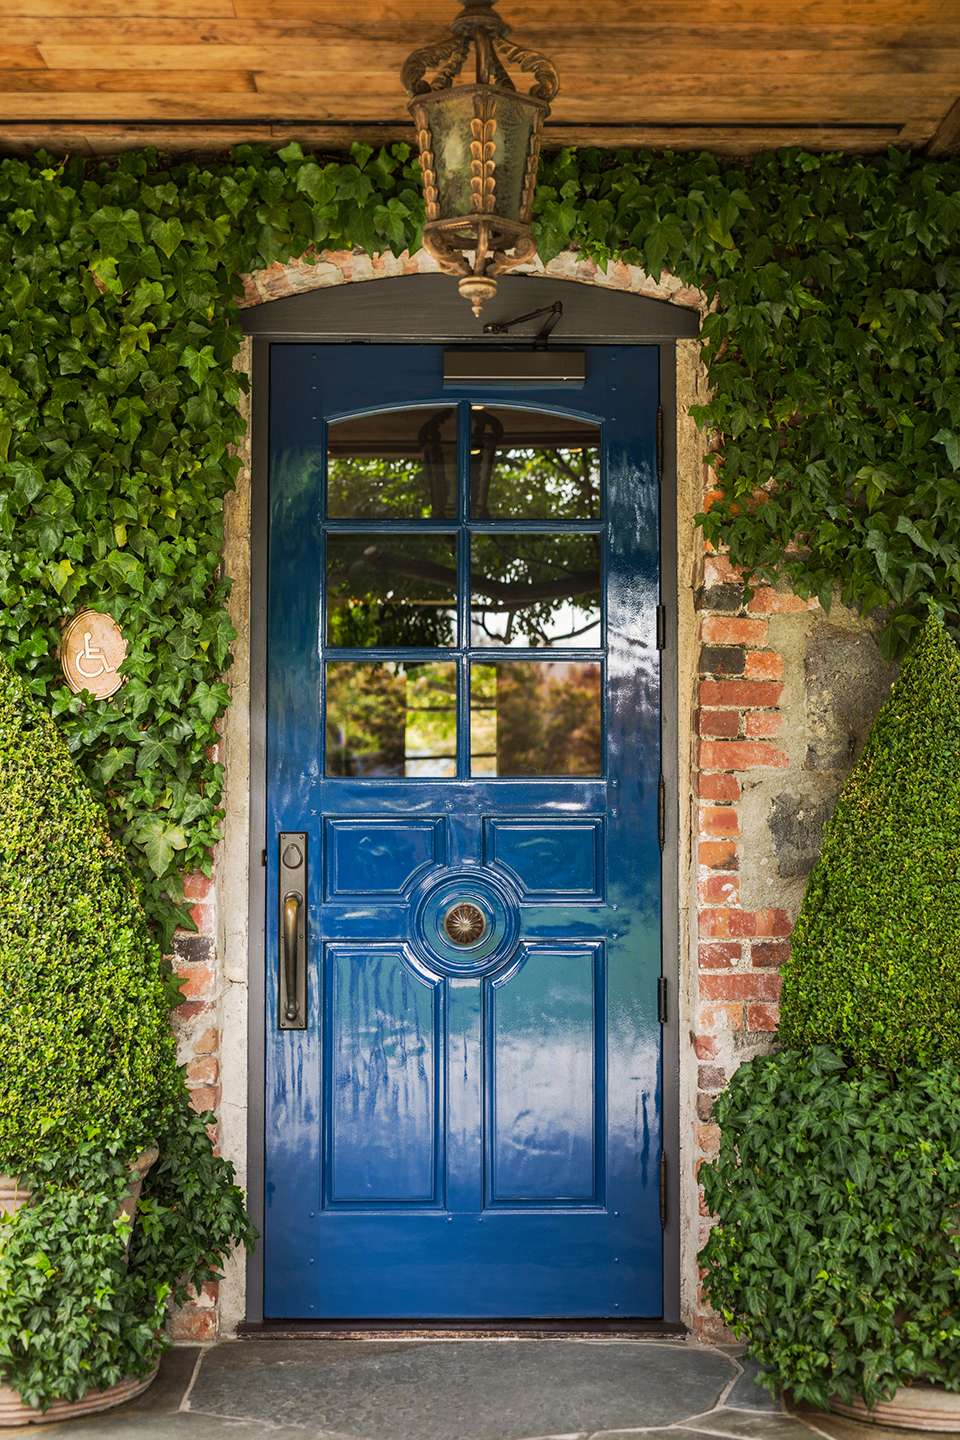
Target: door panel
{"x":465,"y":1121}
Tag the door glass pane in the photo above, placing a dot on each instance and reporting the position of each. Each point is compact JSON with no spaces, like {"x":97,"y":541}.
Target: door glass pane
{"x":391,"y":589}
{"x":533,"y":590}
{"x":535,"y":717}
{"x":398,"y":464}
{"x":527,"y":465}
{"x":387,"y":718}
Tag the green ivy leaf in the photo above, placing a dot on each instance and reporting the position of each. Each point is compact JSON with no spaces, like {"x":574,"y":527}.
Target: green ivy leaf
{"x":950,"y":441}
{"x":159,"y":841}
{"x":167,"y":235}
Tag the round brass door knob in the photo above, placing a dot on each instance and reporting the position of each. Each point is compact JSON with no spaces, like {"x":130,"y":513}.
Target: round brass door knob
{"x":464,"y":923}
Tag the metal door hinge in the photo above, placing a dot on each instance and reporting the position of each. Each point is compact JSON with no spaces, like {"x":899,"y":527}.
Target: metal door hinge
{"x":263,"y":858}
{"x":661,"y":627}
{"x":659,"y":442}
{"x":662,"y":1000}
{"x":662,"y":812}
{"x":663,"y":1192}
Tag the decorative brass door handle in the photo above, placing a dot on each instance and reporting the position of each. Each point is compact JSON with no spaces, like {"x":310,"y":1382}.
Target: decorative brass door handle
{"x":291,"y":927}
{"x":292,"y":934}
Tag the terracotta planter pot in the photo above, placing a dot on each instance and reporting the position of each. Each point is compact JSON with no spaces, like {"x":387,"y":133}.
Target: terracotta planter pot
{"x":913,"y":1407}
{"x":13,"y":1411}
{"x":13,"y":1194}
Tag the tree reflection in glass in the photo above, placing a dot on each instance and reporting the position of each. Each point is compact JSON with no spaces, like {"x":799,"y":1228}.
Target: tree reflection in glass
{"x":389,"y":718}
{"x":531,"y":465}
{"x":392,"y":590}
{"x":535,"y":717}
{"x":536,"y":590}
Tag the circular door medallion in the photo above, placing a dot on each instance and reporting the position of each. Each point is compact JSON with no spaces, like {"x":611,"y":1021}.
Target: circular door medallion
{"x":91,"y":652}
{"x":464,"y":922}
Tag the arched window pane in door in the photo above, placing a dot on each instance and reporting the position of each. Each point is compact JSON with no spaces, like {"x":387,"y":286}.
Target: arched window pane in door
{"x":532,"y":465}
{"x":396,"y":464}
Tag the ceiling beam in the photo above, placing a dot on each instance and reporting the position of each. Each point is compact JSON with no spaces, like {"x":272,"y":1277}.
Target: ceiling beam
{"x":946,"y":138}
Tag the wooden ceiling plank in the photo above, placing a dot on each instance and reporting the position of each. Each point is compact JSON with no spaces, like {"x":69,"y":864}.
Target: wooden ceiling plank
{"x":21,"y":57}
{"x":528,"y":20}
{"x":131,"y":27}
{"x":414,"y":28}
{"x":70,"y":11}
{"x":690,"y":53}
{"x":123,"y":82}
{"x":319,"y":106}
{"x":662,"y":63}
{"x":114,"y":139}
{"x":356,"y":74}
{"x":622,"y":84}
{"x":883,"y":92}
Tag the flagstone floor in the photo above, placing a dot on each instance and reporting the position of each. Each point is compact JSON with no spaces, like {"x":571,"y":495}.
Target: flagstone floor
{"x":482,"y":1389}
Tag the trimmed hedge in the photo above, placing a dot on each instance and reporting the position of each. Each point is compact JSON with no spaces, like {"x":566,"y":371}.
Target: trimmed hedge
{"x":85,"y":1040}
{"x":88,"y":1077}
{"x":875,"y":960}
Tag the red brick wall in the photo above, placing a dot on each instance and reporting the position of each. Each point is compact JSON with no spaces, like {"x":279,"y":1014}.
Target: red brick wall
{"x":197,"y":1028}
{"x":742,"y":703}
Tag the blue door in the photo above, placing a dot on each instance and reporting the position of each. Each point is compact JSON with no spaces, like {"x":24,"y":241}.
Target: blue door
{"x":463,"y":936}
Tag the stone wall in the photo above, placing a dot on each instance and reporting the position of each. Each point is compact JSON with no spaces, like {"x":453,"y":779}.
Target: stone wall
{"x":786,"y":696}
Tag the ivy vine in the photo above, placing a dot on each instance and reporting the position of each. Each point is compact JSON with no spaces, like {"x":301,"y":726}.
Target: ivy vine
{"x":832,"y":353}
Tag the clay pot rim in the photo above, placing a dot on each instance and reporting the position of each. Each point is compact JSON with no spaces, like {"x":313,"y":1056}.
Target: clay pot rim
{"x":140,"y":1163}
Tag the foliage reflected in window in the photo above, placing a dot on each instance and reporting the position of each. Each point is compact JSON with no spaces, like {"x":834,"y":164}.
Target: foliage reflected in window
{"x":529,"y":465}
{"x":536,"y":590}
{"x":390,"y":719}
{"x":535,"y":717}
{"x":391,"y":590}
{"x":397,"y":464}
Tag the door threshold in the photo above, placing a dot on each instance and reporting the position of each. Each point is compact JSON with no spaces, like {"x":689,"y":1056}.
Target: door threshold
{"x":535,"y":1329}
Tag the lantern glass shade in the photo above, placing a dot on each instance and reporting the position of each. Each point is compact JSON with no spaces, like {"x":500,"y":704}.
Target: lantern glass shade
{"x":452,"y":116}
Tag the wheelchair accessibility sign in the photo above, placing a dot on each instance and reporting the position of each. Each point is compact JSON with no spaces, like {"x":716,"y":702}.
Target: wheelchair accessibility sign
{"x":91,"y":652}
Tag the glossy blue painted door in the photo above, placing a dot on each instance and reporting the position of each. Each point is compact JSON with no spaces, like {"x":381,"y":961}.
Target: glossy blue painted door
{"x":467,"y":1123}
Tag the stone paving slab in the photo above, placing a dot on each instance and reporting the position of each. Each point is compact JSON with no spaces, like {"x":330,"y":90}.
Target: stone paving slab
{"x":472,"y":1390}
{"x":321,"y":1389}
{"x":747,"y":1393}
{"x":743,"y":1425}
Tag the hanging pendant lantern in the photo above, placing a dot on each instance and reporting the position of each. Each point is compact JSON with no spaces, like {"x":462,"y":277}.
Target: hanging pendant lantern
{"x":479,"y":148}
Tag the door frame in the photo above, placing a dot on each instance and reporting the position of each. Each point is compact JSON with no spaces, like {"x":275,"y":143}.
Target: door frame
{"x":427,"y":309}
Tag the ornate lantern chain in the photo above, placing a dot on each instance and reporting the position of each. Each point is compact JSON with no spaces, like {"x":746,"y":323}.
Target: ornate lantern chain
{"x":479,"y":148}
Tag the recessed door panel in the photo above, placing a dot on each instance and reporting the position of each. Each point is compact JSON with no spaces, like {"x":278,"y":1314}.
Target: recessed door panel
{"x":380,"y":857}
{"x":383,"y":1082}
{"x":463,"y":723}
{"x":550,"y":859}
{"x":546,"y":1093}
